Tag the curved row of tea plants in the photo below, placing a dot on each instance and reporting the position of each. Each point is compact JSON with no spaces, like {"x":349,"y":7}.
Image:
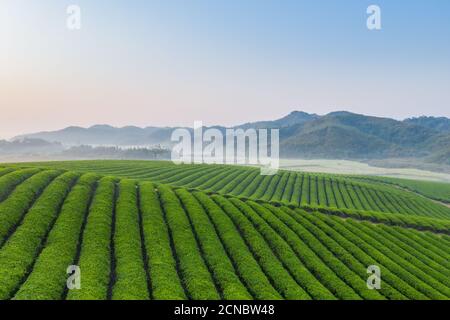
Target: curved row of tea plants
{"x":290,"y":188}
{"x":136,"y":239}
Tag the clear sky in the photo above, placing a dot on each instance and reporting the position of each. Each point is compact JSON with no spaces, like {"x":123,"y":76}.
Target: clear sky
{"x":170,"y":62}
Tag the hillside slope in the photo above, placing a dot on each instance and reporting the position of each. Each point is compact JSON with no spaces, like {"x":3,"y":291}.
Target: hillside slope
{"x":438,"y":191}
{"x":290,"y":188}
{"x":139,"y":240}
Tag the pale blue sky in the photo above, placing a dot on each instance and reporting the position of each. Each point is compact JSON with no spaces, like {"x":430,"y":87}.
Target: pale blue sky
{"x":170,"y":62}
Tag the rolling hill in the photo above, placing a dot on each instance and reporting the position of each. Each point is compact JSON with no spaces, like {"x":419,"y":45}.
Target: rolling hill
{"x":153,"y":230}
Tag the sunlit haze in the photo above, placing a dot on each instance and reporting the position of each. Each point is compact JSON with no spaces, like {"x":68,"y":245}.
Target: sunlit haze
{"x":168,"y":63}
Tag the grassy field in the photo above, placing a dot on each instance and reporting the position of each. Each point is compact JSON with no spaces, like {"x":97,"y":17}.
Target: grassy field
{"x":153,"y":230}
{"x":439,"y":191}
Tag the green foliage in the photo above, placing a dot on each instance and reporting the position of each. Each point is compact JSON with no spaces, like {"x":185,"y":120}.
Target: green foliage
{"x":287,"y":236}
{"x":4,"y":171}
{"x":296,"y":255}
{"x":246,"y":266}
{"x":326,"y":190}
{"x":337,"y":258}
{"x":21,"y":249}
{"x":281,"y":278}
{"x":393,"y":274}
{"x":131,"y":280}
{"x":94,"y":259}
{"x":48,"y":279}
{"x":197,"y":279}
{"x":315,"y":256}
{"x":432,"y":189}
{"x":410,"y":221}
{"x":212,"y":249}
{"x":165,"y":281}
{"x":21,"y":199}
{"x":11,"y":179}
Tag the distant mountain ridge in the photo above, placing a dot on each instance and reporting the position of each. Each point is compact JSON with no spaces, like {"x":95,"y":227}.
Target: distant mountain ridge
{"x":337,"y":135}
{"x":354,"y":136}
{"x":294,"y":118}
{"x":105,"y":135}
{"x":441,"y":124}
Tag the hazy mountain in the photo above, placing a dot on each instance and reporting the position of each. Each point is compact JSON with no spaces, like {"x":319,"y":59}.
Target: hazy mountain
{"x":337,"y":135}
{"x":28,"y":145}
{"x":294,"y":118}
{"x":441,"y":157}
{"x":441,"y":124}
{"x":348,"y":135}
{"x":106,"y":135}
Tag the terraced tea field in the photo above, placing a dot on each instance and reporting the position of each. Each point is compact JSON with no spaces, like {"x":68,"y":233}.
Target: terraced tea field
{"x":439,"y":191}
{"x":152,"y":230}
{"x":290,"y":188}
